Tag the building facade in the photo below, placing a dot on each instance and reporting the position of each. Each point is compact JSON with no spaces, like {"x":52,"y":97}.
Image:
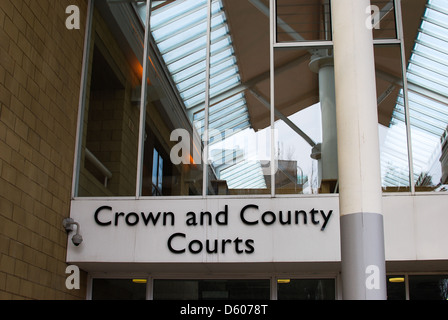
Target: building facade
{"x":221,"y":149}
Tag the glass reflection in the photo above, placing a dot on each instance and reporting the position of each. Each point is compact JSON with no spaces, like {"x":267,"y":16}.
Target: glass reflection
{"x":395,"y":173}
{"x":302,"y":20}
{"x":239,"y":118}
{"x":383,"y":19}
{"x":109,"y":147}
{"x":428,"y":287}
{"x":173,"y":148}
{"x":427,"y":52}
{"x":305,"y":114}
{"x":396,"y":287}
{"x":306,"y":289}
{"x":118,"y":289}
{"x":211,"y":289}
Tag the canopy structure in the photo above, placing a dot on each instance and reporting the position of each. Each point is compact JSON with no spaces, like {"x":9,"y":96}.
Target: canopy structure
{"x":426,"y":47}
{"x":240,"y":70}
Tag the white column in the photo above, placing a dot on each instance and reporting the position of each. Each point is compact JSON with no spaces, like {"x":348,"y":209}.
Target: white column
{"x":322,"y":64}
{"x":362,"y":239}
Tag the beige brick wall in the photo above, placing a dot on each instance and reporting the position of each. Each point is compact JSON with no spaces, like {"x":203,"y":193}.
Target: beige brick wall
{"x":40,"y":70}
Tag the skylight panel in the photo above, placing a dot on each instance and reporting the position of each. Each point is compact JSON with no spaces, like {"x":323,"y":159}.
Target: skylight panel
{"x":173,"y":12}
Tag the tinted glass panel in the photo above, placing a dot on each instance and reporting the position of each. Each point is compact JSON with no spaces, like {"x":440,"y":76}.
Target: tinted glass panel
{"x":396,"y":287}
{"x":211,"y":289}
{"x":306,"y":289}
{"x":430,"y":287}
{"x":118,"y":289}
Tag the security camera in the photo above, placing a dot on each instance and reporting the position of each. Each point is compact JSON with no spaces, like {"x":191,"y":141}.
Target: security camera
{"x":77,"y":239}
{"x":68,"y":224}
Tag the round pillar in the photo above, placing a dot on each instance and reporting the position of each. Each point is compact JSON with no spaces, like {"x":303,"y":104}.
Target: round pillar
{"x":360,"y":195}
{"x":322,"y":64}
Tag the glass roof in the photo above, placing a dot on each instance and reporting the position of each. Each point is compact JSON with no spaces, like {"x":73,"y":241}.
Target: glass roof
{"x":179,"y":29}
{"x":427,"y":76}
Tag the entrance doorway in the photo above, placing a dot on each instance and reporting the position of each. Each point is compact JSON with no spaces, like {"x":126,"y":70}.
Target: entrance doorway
{"x":214,"y":289}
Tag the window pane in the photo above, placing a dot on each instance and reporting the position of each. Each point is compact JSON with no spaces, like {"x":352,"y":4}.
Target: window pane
{"x":305,"y":121}
{"x":211,"y":289}
{"x":383,"y":19}
{"x":108,"y":164}
{"x":302,"y":20}
{"x":431,"y":287}
{"x":306,"y":289}
{"x":396,"y":288}
{"x":239,"y":119}
{"x":118,"y":289}
{"x":179,"y":30}
{"x":393,"y":139}
{"x":155,"y":171}
{"x":426,"y":45}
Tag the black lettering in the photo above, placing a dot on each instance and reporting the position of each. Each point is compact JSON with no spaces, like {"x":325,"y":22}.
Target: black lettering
{"x":97,"y":212}
{"x":191,"y":245}
{"x":166,"y":215}
{"x":272,"y":219}
{"x":170,"y":239}
{"x":313,"y":212}
{"x":237,"y":242}
{"x":208,"y":244}
{"x":326,"y":218}
{"x":206,"y":214}
{"x":224,"y":214}
{"x":303,"y":213}
{"x":129,"y":221}
{"x":118,"y":214}
{"x":223,"y":245}
{"x":244,"y":210}
{"x":192,"y":220}
{"x":288,"y":221}
{"x":150,"y":217}
{"x":249,"y":245}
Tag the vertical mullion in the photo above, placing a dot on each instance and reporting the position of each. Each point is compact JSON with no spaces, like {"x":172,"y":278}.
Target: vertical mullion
{"x":205,"y":136}
{"x":144,"y":90}
{"x":274,"y":288}
{"x":272,"y":23}
{"x":400,"y":34}
{"x":406,"y":286}
{"x":150,"y":288}
{"x":82,"y":99}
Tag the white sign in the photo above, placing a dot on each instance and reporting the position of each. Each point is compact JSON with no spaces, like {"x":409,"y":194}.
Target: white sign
{"x":207,"y":230}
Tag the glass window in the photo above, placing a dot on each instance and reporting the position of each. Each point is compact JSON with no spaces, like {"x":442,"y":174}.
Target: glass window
{"x":109,"y":140}
{"x":425,"y":29}
{"x":118,"y":289}
{"x":211,"y":289}
{"x":428,"y":287}
{"x":306,"y":289}
{"x":173,"y":147}
{"x":302,"y":20}
{"x":421,"y":110}
{"x":157,"y":174}
{"x":396,"y":287}
{"x":305,"y":122}
{"x":395,"y":173}
{"x":239,"y":159}
{"x":239,"y":118}
{"x":383,"y":19}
